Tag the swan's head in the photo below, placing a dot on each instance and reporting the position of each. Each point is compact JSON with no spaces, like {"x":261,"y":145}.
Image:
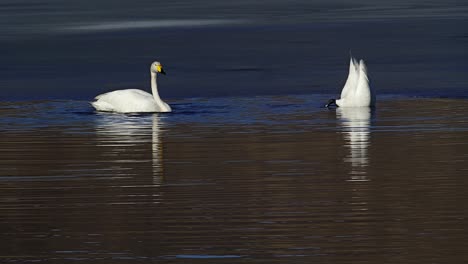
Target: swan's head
{"x":156,"y":67}
{"x":331,"y":102}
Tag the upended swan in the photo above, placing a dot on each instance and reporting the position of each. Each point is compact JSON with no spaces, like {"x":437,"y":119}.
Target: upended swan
{"x":356,"y":91}
{"x":134,"y":100}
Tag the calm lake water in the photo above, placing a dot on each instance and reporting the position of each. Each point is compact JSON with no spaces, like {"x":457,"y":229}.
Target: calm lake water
{"x":52,"y":49}
{"x":249,"y":168}
{"x":271,"y":179}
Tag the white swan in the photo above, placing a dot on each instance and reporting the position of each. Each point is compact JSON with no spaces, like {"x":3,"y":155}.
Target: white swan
{"x":356,"y":91}
{"x":134,"y":100}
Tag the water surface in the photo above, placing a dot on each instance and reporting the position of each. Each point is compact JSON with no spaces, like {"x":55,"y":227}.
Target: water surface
{"x":266,"y":179}
{"x":249,"y":168}
{"x":62,"y":50}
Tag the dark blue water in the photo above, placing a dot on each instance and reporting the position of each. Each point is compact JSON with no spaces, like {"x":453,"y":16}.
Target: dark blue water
{"x":249,"y":167}
{"x":55,"y":50}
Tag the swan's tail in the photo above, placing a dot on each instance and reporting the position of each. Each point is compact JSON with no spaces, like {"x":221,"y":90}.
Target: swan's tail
{"x":102,"y":106}
{"x":353,"y":76}
{"x":353,"y":60}
{"x":363,"y":69}
{"x":364,"y":89}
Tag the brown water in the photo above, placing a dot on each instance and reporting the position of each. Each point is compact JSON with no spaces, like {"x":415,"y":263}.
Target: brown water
{"x":235,"y":180}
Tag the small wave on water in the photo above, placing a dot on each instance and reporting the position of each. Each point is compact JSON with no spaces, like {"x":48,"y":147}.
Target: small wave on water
{"x":289,"y":112}
{"x":147,"y":24}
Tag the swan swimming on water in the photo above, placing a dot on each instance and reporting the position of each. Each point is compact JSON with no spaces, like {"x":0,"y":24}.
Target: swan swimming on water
{"x":356,"y":91}
{"x":134,"y":100}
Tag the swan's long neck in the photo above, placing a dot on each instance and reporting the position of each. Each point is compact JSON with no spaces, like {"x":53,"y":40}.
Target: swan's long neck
{"x":154,"y":88}
{"x":163,"y":107}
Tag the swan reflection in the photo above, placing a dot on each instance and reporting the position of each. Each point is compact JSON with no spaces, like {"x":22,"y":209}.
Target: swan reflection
{"x":128,"y":139}
{"x":157,"y":150}
{"x":355,"y":122}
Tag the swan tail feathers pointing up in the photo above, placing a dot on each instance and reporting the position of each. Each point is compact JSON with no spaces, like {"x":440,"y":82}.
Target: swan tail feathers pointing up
{"x":364,"y":92}
{"x":357,"y":91}
{"x":353,"y":76}
{"x":363,"y":81}
{"x":363,"y":68}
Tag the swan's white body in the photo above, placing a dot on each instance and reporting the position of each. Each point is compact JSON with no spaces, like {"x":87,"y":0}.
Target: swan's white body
{"x":133,"y":100}
{"x":357,"y":91}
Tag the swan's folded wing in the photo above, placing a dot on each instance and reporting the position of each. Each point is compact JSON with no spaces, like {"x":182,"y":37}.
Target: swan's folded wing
{"x":130,"y":100}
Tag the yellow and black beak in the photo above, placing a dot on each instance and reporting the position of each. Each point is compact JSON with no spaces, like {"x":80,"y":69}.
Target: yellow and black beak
{"x":160,"y":69}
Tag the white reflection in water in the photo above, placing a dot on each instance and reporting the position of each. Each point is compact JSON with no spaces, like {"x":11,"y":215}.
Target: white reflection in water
{"x":355,"y":122}
{"x":122,"y":134}
{"x":157,"y":150}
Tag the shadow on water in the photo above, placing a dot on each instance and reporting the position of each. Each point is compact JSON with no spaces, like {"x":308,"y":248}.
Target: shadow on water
{"x":199,"y":109}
